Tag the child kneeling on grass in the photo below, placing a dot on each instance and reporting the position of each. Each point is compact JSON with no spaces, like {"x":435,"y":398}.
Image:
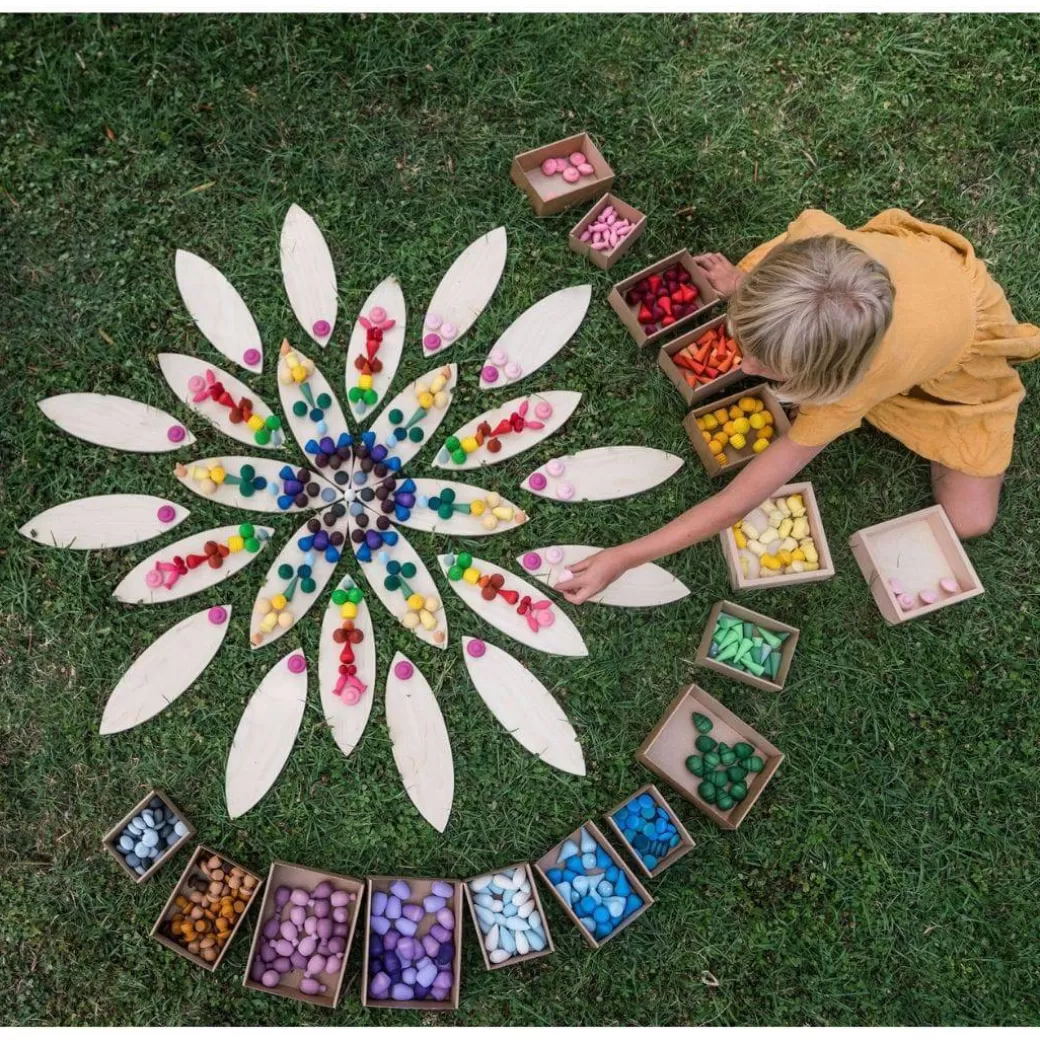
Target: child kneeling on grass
{"x":897,"y":323}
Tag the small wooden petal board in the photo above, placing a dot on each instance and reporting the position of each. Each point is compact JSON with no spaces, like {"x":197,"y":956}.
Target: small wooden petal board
{"x":600,"y":474}
{"x":462,"y":525}
{"x":539,"y":334}
{"x":468,"y":285}
{"x":115,"y":422}
{"x":134,"y":589}
{"x":563,"y":403}
{"x":265,"y":501}
{"x":561,"y":638}
{"x":644,"y":586}
{"x":347,"y":721}
{"x":265,"y":735}
{"x":422,"y":751}
{"x":165,"y":670}
{"x":103,"y":522}
{"x":218,"y":310}
{"x":308,"y":274}
{"x":525,"y":708}
{"x":303,"y":427}
{"x":408,"y":403}
{"x":387,"y":294}
{"x":177,"y":369}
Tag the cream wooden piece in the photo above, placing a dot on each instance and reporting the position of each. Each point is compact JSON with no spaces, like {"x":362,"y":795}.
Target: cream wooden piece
{"x":461,"y":525}
{"x":308,"y":273}
{"x":114,"y":422}
{"x":102,"y":522}
{"x":303,"y":427}
{"x":387,"y":294}
{"x":407,"y":401}
{"x":600,"y":474}
{"x":265,"y":501}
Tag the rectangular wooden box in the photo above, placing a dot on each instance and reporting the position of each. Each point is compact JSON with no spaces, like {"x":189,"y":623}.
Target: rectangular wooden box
{"x":630,"y":315}
{"x":200,"y":852}
{"x":293,"y":875}
{"x":549,"y":860}
{"x":723,"y":668}
{"x":421,"y":887}
{"x":551,"y":195}
{"x":812,"y":512}
{"x":917,"y":550}
{"x":690,"y":395}
{"x":108,"y":842}
{"x":686,"y":843}
{"x":671,"y":742}
{"x":534,"y":954}
{"x":606,"y":258}
{"x":781,"y":424}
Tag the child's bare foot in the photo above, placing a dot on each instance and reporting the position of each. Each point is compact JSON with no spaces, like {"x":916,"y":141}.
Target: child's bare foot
{"x":723,"y":276}
{"x":970,"y":502}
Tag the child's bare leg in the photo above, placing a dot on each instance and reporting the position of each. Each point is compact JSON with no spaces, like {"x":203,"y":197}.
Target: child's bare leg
{"x":970,"y":502}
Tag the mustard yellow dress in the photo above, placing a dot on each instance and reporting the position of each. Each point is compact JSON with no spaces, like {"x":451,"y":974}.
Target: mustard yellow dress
{"x":941,"y":381}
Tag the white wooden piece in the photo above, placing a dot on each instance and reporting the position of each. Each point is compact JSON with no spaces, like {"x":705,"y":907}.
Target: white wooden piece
{"x":177,"y":369}
{"x":265,"y":736}
{"x":408,"y":403}
{"x":134,"y":589}
{"x":563,"y":404}
{"x":303,"y":427}
{"x":217,"y":309}
{"x":163,"y":671}
{"x":115,"y":422}
{"x":102,"y":522}
{"x":600,"y":474}
{"x":422,"y":751}
{"x":301,"y":603}
{"x":468,"y":285}
{"x":265,"y":501}
{"x":347,"y":721}
{"x":461,"y":525}
{"x":561,"y":638}
{"x":308,"y":274}
{"x":526,"y":709}
{"x":644,"y":586}
{"x":539,"y":334}
{"x":387,"y":294}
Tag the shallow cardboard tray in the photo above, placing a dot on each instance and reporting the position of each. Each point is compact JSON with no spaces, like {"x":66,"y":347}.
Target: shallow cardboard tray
{"x":293,"y":875}
{"x":935,"y":552}
{"x":690,"y":395}
{"x":421,"y":887}
{"x":551,"y":195}
{"x":724,"y":668}
{"x":686,"y":843}
{"x":606,"y":258}
{"x":671,"y":742}
{"x":534,"y":954}
{"x":549,"y":860}
{"x":108,"y":842}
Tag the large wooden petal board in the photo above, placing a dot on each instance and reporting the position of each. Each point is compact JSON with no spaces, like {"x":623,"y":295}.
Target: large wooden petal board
{"x":561,"y":638}
{"x":308,"y":274}
{"x":647,"y":585}
{"x":164,"y":670}
{"x":462,"y":525}
{"x":469,"y":284}
{"x":177,"y":369}
{"x":114,"y":422}
{"x":102,"y":522}
{"x":347,"y":721}
{"x":303,"y":427}
{"x":600,"y":474}
{"x":265,"y":736}
{"x":265,"y":501}
{"x":217,"y":309}
{"x":563,"y":404}
{"x":526,"y":709}
{"x":133,"y":589}
{"x":422,"y":751}
{"x":408,"y":403}
{"x":387,"y":294}
{"x":540,"y":333}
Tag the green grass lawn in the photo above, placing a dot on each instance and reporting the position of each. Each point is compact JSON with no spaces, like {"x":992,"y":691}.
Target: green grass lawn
{"x":889,"y":874}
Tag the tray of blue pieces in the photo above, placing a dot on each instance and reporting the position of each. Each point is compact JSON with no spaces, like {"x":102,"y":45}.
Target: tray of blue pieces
{"x":597,"y":891}
{"x":648,"y":828}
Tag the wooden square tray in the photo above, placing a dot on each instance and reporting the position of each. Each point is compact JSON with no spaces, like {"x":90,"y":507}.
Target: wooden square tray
{"x":606,"y":258}
{"x":551,"y":195}
{"x":108,"y":842}
{"x":686,"y":843}
{"x":690,"y":395}
{"x":516,"y":959}
{"x":724,"y":668}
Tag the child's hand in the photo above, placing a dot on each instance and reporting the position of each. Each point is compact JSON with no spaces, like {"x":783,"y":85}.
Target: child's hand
{"x":722,"y":275}
{"x":593,"y":574}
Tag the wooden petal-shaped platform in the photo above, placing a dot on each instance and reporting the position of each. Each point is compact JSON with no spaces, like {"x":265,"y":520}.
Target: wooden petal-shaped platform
{"x":116,"y":422}
{"x":265,"y":735}
{"x":104,"y":521}
{"x":387,"y":294}
{"x":537,"y":336}
{"x":303,"y":427}
{"x":647,"y":585}
{"x":265,"y":501}
{"x":165,"y":669}
{"x":308,"y":274}
{"x":526,"y":709}
{"x":407,"y":402}
{"x":218,"y":311}
{"x":600,"y":474}
{"x":422,"y":751}
{"x":461,"y":525}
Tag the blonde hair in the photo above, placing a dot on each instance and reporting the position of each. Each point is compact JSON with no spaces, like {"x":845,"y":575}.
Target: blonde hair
{"x":814,"y":312}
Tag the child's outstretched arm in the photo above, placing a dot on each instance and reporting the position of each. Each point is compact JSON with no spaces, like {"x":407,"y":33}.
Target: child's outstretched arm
{"x":749,"y":489}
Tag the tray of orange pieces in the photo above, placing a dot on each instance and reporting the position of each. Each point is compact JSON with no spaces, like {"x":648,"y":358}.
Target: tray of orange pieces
{"x":708,"y":357}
